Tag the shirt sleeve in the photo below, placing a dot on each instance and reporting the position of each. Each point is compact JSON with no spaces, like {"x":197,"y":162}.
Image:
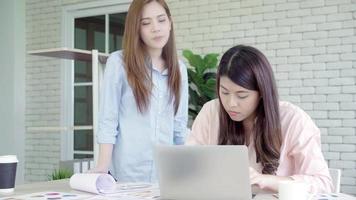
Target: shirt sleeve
{"x":305,"y":150}
{"x":181,"y":118}
{"x":199,"y":134}
{"x":110,"y":97}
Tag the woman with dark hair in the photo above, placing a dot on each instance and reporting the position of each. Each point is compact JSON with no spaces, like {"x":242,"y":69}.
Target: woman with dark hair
{"x":283,"y":142}
{"x":144,"y":99}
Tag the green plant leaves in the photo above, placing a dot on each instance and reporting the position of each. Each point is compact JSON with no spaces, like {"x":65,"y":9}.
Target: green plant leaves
{"x":199,"y":63}
{"x":60,"y":174}
{"x":202,"y":80}
{"x":187,"y":54}
{"x":211,"y":60}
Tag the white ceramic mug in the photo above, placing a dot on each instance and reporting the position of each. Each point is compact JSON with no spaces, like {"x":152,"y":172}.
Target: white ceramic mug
{"x":293,"y":190}
{"x":8,"y":165}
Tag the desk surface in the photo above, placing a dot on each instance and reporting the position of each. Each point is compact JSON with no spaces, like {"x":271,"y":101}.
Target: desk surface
{"x":63,"y":186}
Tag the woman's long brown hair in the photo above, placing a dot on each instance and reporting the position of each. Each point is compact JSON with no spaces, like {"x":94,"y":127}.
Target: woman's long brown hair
{"x":249,"y":68}
{"x":135,"y":58}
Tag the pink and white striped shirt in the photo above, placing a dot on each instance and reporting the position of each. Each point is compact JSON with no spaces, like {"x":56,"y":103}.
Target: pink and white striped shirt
{"x":301,"y":157}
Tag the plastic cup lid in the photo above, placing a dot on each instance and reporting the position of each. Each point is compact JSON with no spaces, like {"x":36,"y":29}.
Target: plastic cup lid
{"x":8,"y":159}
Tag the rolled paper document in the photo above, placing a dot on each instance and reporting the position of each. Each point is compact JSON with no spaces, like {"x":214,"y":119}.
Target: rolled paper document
{"x":94,"y":183}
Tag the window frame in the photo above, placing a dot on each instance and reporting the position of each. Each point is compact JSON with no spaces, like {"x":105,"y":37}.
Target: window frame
{"x":69,"y":14}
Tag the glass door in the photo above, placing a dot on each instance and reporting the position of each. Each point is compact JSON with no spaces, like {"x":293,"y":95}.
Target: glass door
{"x":104,"y":33}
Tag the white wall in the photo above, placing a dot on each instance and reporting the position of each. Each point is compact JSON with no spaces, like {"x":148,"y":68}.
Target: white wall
{"x":12,"y":81}
{"x":43,"y":87}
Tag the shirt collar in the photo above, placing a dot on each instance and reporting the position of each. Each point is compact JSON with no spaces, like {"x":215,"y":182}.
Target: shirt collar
{"x":149,"y":64}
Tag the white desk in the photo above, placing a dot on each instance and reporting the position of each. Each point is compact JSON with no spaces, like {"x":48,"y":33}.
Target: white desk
{"x":63,"y":186}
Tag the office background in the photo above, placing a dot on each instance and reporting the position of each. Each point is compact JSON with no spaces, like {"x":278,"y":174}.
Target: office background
{"x":311,"y":45}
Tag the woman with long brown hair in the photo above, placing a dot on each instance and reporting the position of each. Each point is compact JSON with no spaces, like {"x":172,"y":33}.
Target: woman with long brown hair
{"x":144,"y":98}
{"x":283,"y":142}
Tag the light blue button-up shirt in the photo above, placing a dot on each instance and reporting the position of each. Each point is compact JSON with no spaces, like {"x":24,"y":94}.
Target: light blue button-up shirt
{"x":134,"y":134}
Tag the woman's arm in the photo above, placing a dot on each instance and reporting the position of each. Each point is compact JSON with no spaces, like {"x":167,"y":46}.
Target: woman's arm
{"x":301,"y":149}
{"x":105,"y":153}
{"x":181,"y":118}
{"x":109,"y":111}
{"x":310,"y":167}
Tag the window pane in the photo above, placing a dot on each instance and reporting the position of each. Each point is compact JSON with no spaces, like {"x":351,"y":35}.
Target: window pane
{"x":83,"y":140}
{"x":90,"y":33}
{"x":99,"y":41}
{"x":117,"y":24}
{"x":79,"y":156}
{"x":83,"y":105}
{"x":80,"y":38}
{"x":82,"y":71}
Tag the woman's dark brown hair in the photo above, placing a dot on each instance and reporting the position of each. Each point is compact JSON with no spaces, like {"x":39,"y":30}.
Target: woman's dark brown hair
{"x":138,"y":73}
{"x":249,"y":68}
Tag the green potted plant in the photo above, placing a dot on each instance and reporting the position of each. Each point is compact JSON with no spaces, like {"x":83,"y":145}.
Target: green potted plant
{"x":201,"y":79}
{"x":60,"y":174}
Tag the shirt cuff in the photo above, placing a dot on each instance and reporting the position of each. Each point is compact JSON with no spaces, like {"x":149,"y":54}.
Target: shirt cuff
{"x":106,"y":139}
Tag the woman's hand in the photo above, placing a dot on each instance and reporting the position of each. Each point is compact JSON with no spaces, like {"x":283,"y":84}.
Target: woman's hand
{"x":254,"y":176}
{"x":266,"y":181}
{"x":105,"y":152}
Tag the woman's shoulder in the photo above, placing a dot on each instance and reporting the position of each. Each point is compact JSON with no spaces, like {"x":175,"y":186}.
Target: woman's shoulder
{"x":114,"y":68}
{"x":289,"y":110}
{"x":182,"y":65}
{"x":294,"y":120}
{"x":212,"y":106}
{"x":205,"y":128}
{"x":115,"y":61}
{"x":183,"y":70}
{"x":116,"y":56}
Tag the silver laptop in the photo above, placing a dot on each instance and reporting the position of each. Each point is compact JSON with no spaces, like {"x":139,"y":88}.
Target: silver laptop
{"x":203,"y":172}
